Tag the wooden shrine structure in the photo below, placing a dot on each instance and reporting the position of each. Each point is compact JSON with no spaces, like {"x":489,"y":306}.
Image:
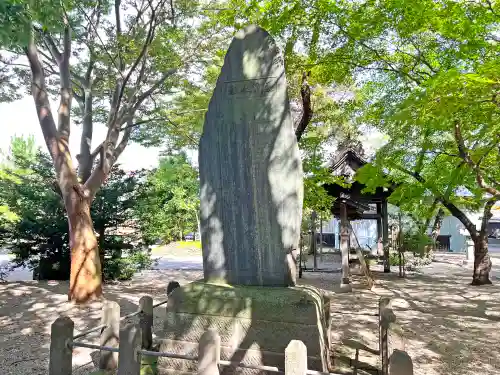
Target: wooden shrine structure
{"x":352,"y":203}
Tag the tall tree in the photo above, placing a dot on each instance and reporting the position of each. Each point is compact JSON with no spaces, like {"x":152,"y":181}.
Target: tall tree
{"x":117,"y":60}
{"x":442,"y":55}
{"x":434,"y":92}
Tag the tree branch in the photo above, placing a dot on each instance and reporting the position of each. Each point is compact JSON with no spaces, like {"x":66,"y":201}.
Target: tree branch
{"x":487,"y":214}
{"x":51,"y":45}
{"x":153,"y":88}
{"x":147,"y":42}
{"x":455,"y":211}
{"x":39,"y":93}
{"x":94,"y":27}
{"x":490,"y":7}
{"x":97,"y":151}
{"x":464,"y":154}
{"x":379,"y":56}
{"x":307,"y":112}
{"x":85,"y":159}
{"x":66,"y":92}
{"x":118,"y":22}
{"x":80,"y":98}
{"x":125,"y":138}
{"x":142,"y":122}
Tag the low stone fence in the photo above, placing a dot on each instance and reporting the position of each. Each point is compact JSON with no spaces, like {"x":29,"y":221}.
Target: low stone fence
{"x":122,"y":348}
{"x":63,"y":340}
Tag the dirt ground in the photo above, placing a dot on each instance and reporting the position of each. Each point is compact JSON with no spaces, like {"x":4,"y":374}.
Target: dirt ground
{"x":446,"y":326}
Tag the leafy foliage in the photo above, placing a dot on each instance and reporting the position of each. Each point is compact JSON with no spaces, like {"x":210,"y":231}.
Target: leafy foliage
{"x":39,"y":239}
{"x":40,"y":234}
{"x":169,"y":201}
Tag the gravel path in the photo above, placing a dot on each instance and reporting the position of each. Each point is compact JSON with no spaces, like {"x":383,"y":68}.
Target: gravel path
{"x":447,"y":327}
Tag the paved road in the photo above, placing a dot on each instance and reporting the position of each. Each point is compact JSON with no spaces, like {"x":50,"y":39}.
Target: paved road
{"x":196,"y":263}
{"x":163,"y":263}
{"x":174,"y":263}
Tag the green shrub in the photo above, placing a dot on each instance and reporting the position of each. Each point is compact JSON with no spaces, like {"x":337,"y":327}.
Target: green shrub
{"x":411,"y":261}
{"x":123,"y":269}
{"x":394,"y":259}
{"x":415,"y":262}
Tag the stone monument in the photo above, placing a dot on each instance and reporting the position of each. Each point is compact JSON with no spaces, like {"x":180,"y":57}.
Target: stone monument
{"x":250,"y":169}
{"x":251,"y":211}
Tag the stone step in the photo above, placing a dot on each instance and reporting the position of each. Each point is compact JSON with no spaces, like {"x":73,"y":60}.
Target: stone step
{"x":290,"y":305}
{"x":274,"y":336}
{"x":249,"y":356}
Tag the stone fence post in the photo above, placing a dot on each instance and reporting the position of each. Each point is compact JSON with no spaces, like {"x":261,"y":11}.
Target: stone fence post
{"x":146,"y":321}
{"x":400,"y":363}
{"x":296,"y":358}
{"x":209,"y":353}
{"x":129,"y":359}
{"x":109,"y":335}
{"x":61,"y":353}
{"x":386,"y":317}
{"x":172,"y":285}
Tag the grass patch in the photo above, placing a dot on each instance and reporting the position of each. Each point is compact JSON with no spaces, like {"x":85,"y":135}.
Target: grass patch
{"x":149,"y":366}
{"x":186,"y":244}
{"x":180,"y":248}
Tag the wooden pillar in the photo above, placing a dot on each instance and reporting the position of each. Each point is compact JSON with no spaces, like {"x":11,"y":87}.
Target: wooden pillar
{"x":129,"y":360}
{"x":109,"y":335}
{"x":313,"y":240}
{"x":321,"y":240}
{"x":337,"y":235}
{"x":146,"y":321}
{"x":344,"y":242}
{"x":380,"y":247}
{"x":400,"y":363}
{"x":385,"y":236}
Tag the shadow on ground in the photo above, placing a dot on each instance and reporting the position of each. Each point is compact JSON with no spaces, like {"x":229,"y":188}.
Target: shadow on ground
{"x":27,"y":309}
{"x":446,"y":325}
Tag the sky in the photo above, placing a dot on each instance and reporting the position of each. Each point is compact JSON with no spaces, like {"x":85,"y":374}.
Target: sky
{"x":19,"y":118}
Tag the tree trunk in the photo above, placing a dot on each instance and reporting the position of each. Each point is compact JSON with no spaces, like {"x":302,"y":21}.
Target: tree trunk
{"x":482,"y":261}
{"x":102,"y":253}
{"x":438,"y":221}
{"x":85,"y":277}
{"x":198,"y":223}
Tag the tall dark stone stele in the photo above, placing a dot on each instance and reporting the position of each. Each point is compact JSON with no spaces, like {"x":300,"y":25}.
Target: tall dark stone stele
{"x":250,"y":169}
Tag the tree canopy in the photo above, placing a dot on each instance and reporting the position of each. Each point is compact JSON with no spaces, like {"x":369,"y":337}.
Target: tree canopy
{"x":168,"y":203}
{"x":424,"y":74}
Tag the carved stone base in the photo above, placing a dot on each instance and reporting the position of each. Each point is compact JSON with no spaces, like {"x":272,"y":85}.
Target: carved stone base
{"x":255,"y":325}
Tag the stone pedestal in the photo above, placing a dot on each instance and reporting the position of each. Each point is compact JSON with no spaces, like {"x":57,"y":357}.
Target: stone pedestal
{"x":255,"y":325}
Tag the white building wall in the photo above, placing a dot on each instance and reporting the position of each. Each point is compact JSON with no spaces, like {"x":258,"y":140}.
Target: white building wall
{"x":453,"y":227}
{"x":366,"y":231}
